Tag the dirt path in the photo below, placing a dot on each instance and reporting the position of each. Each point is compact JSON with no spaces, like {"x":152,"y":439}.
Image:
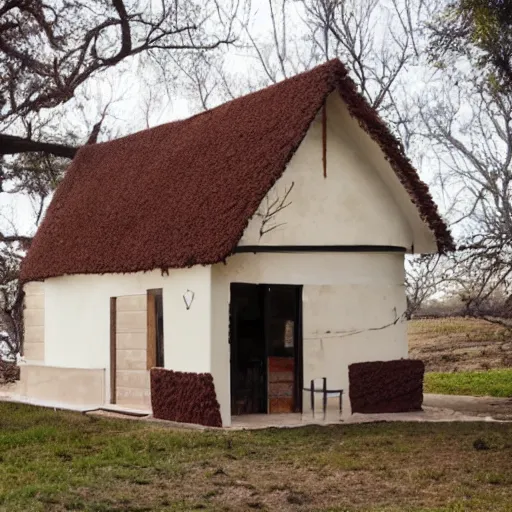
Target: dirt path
{"x":497,"y":408}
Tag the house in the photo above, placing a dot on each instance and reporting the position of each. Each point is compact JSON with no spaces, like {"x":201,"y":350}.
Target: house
{"x":258,"y":245}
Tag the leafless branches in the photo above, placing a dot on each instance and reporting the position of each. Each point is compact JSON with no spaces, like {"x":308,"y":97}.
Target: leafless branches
{"x":49,"y":49}
{"x":11,"y":294}
{"x":468,"y":123}
{"x":63,"y":46}
{"x":52,"y":52}
{"x":272,"y":208}
{"x":379,"y":41}
{"x":423,"y":278}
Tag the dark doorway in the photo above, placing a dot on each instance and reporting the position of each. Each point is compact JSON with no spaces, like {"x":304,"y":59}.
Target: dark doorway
{"x":266,"y":348}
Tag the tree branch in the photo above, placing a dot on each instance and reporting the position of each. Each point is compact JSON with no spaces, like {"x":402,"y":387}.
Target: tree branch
{"x":11,"y":144}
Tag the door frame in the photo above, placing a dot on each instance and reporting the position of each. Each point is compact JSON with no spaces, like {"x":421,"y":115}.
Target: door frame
{"x":298,"y":340}
{"x":299,"y":354}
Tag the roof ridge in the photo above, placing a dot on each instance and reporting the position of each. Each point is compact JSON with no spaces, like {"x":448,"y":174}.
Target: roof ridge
{"x":335,"y":66}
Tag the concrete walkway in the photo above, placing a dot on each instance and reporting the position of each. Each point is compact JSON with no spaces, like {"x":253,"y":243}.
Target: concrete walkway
{"x":436,"y":408}
{"x":475,"y":406}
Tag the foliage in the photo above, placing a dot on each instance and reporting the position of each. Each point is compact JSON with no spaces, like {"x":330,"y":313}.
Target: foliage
{"x":480,"y":30}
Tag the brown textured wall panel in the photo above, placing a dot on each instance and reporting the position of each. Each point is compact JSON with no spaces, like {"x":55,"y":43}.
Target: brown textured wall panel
{"x":386,"y":386}
{"x":184,"y":397}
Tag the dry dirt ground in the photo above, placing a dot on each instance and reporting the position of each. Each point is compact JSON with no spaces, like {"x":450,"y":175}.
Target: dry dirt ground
{"x":459,"y":344}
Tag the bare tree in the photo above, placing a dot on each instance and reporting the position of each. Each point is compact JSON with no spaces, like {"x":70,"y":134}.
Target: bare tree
{"x":11,"y":295}
{"x":468,"y":121}
{"x":382,"y":43}
{"x":49,"y":49}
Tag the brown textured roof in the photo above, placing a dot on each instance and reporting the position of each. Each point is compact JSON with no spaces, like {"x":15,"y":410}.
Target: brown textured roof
{"x":182,"y":193}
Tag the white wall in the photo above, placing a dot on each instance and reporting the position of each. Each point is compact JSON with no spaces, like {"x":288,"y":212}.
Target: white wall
{"x":345,"y":297}
{"x":77,"y":317}
{"x":360,"y":202}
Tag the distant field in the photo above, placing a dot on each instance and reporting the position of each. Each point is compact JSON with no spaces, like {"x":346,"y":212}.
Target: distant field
{"x":463,"y":356}
{"x":460,"y":344}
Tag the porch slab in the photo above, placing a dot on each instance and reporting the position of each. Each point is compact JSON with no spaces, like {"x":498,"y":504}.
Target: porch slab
{"x":428,"y":414}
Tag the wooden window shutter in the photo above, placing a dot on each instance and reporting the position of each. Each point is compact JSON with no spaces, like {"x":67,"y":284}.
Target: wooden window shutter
{"x":151,"y":330}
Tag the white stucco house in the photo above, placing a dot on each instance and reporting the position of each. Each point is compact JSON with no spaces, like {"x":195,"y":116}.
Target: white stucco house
{"x":261,"y":242}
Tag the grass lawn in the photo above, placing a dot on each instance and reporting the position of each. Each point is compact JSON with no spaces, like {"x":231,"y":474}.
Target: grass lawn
{"x":67,"y":461}
{"x":487,"y":383}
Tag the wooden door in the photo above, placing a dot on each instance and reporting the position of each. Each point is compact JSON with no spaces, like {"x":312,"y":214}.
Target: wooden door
{"x":129,"y":370}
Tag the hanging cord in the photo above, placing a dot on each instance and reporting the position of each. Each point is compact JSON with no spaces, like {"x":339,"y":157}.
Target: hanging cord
{"x":324,"y":139}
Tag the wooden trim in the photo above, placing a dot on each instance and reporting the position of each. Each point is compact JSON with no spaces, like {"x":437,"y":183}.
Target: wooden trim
{"x":319,"y":248}
{"x":299,"y":354}
{"x":113,"y":348}
{"x":151,"y":331}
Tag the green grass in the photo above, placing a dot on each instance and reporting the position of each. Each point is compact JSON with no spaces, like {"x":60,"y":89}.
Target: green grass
{"x":57,"y":461}
{"x":497,"y":383}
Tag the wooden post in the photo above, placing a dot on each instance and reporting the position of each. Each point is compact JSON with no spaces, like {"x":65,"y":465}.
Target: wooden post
{"x":151,"y":331}
{"x":312,"y":397}
{"x":113,"y":328}
{"x":324,"y":404}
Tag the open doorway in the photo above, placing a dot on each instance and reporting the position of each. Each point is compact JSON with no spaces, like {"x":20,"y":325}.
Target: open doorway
{"x":266,"y":348}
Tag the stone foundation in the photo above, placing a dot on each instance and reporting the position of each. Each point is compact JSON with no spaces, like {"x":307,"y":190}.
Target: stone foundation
{"x":67,"y":385}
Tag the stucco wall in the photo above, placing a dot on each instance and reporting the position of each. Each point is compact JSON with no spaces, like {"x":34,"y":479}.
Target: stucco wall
{"x":360,"y":202}
{"x":350,"y":304}
{"x":77,"y":318}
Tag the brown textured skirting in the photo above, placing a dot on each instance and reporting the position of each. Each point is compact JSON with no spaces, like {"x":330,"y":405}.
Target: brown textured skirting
{"x":390,"y":386}
{"x":184,"y":397}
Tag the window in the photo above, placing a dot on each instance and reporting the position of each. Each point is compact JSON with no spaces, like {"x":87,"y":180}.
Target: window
{"x":155,"y":343}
